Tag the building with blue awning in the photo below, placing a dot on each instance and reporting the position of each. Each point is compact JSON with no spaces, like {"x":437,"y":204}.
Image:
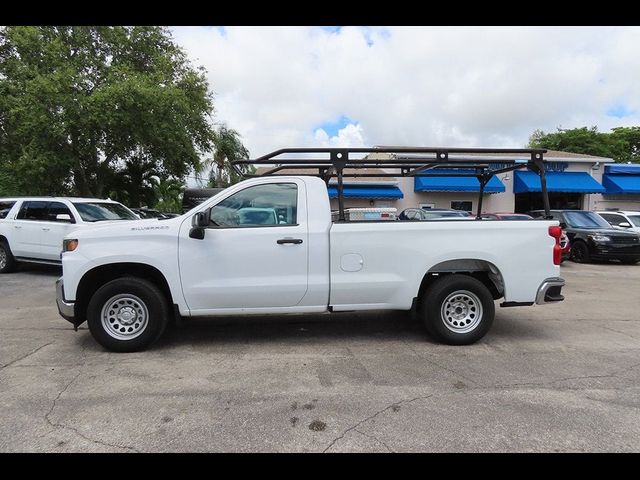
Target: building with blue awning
{"x":569,"y":182}
{"x":455,"y":183}
{"x":622,"y":179}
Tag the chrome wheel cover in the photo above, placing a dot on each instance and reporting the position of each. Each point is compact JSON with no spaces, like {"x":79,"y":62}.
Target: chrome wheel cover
{"x":124,"y":316}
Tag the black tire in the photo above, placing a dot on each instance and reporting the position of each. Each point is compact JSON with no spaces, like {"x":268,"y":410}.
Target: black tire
{"x":139,"y":310}
{"x":580,"y":253}
{"x":7,"y":262}
{"x":474,"y":300}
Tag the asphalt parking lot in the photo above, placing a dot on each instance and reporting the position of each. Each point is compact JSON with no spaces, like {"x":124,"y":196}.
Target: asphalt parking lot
{"x":546,"y":378}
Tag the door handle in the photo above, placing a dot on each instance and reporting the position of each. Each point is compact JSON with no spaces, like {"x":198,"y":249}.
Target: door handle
{"x":17,"y":226}
{"x":46,"y":229}
{"x":296,"y":241}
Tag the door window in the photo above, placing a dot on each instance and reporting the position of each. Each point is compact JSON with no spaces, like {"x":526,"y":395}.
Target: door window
{"x":4,"y":208}
{"x":258,"y":206}
{"x":613,"y":218}
{"x":58,"y":208}
{"x":33,"y":211}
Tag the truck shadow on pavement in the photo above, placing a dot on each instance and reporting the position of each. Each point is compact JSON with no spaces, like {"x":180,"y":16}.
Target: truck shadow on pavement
{"x":39,"y":270}
{"x":323,"y":328}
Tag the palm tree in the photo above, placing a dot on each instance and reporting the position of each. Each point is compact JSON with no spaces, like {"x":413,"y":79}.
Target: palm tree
{"x":227,"y":148}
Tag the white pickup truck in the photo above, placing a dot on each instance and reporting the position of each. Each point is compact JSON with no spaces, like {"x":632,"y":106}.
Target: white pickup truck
{"x":268,"y":245}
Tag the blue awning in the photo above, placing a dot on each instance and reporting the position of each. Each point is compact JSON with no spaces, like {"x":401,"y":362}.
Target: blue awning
{"x":369,"y":191}
{"x":622,"y":169}
{"x":570,"y":182}
{"x":455,"y":184}
{"x":615,"y":184}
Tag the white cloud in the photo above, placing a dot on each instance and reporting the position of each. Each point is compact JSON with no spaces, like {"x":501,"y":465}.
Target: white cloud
{"x":349,"y":136}
{"x":449,"y":86}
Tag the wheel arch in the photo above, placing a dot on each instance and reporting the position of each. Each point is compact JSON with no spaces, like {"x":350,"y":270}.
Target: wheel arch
{"x":95,"y":278}
{"x":483,"y":270}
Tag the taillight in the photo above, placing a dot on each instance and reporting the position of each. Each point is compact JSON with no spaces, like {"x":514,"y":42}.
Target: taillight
{"x":556,"y":232}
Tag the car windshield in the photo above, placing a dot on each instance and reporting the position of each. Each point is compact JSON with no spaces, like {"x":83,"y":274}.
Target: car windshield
{"x":585,"y":220}
{"x":444,"y":214}
{"x":635,"y":220}
{"x":101,"y":211}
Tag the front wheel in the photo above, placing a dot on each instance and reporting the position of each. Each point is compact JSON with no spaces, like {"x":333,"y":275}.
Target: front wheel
{"x":580,"y":253}
{"x":127,"y":314}
{"x":458,"y":309}
{"x":7,"y":262}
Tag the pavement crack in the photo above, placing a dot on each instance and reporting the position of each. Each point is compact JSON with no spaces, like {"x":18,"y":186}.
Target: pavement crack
{"x":373,"y":437}
{"x":371,"y":417}
{"x":426,"y":357}
{"x":25,"y":356}
{"x":47,"y":417}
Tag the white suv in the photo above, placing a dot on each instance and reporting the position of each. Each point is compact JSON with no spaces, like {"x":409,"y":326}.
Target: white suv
{"x":32,"y":228}
{"x":623,"y":220}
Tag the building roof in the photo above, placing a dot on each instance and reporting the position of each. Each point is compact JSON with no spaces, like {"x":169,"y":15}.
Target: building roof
{"x":551,"y":155}
{"x":347,"y":171}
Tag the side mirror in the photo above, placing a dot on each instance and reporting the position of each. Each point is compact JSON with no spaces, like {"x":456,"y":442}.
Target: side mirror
{"x":563,"y":225}
{"x":198,"y":224}
{"x":624,"y":224}
{"x":200,"y":219}
{"x":63,"y":217}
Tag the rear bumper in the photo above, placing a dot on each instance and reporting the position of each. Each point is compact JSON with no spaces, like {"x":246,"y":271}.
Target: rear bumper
{"x":549,"y":291}
{"x":66,"y":309}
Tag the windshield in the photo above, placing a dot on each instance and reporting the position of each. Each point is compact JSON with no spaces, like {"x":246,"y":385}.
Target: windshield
{"x":98,"y":212}
{"x":585,"y":220}
{"x":444,"y":214}
{"x":635,"y":220}
{"x":514,"y":217}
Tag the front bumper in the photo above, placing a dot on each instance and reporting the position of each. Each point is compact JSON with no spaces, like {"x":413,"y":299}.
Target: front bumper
{"x":608,"y":251}
{"x":66,"y":309}
{"x":549,"y":291}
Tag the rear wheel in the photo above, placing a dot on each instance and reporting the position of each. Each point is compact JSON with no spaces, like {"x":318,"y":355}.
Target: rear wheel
{"x":580,"y":253}
{"x":127,"y":314}
{"x":457,"y":310}
{"x":7,"y":262}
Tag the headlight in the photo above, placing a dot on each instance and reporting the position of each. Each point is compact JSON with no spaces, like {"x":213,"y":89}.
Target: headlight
{"x":599,"y":238}
{"x":69,"y":245}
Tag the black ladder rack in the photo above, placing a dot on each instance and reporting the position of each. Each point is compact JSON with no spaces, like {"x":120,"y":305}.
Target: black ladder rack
{"x":401,"y":162}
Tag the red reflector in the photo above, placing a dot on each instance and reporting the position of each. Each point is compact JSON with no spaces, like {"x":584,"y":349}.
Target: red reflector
{"x":557,"y":254}
{"x":384,"y":215}
{"x":555,"y":232}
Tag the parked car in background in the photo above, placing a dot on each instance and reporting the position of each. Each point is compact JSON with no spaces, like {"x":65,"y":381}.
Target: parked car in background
{"x":623,"y":220}
{"x":565,"y":244}
{"x":145,"y":212}
{"x":507,"y":216}
{"x":193,"y":197}
{"x":32,"y":229}
{"x":419,"y":214}
{"x":592,"y":238}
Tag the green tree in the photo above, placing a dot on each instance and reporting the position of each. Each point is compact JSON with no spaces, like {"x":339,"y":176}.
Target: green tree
{"x":169,"y":195}
{"x":617,"y":145}
{"x":630,"y":138}
{"x":82,"y":108}
{"x":227,"y":148}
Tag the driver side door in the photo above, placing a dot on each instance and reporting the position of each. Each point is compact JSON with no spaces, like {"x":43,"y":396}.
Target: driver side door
{"x":254,"y":255}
